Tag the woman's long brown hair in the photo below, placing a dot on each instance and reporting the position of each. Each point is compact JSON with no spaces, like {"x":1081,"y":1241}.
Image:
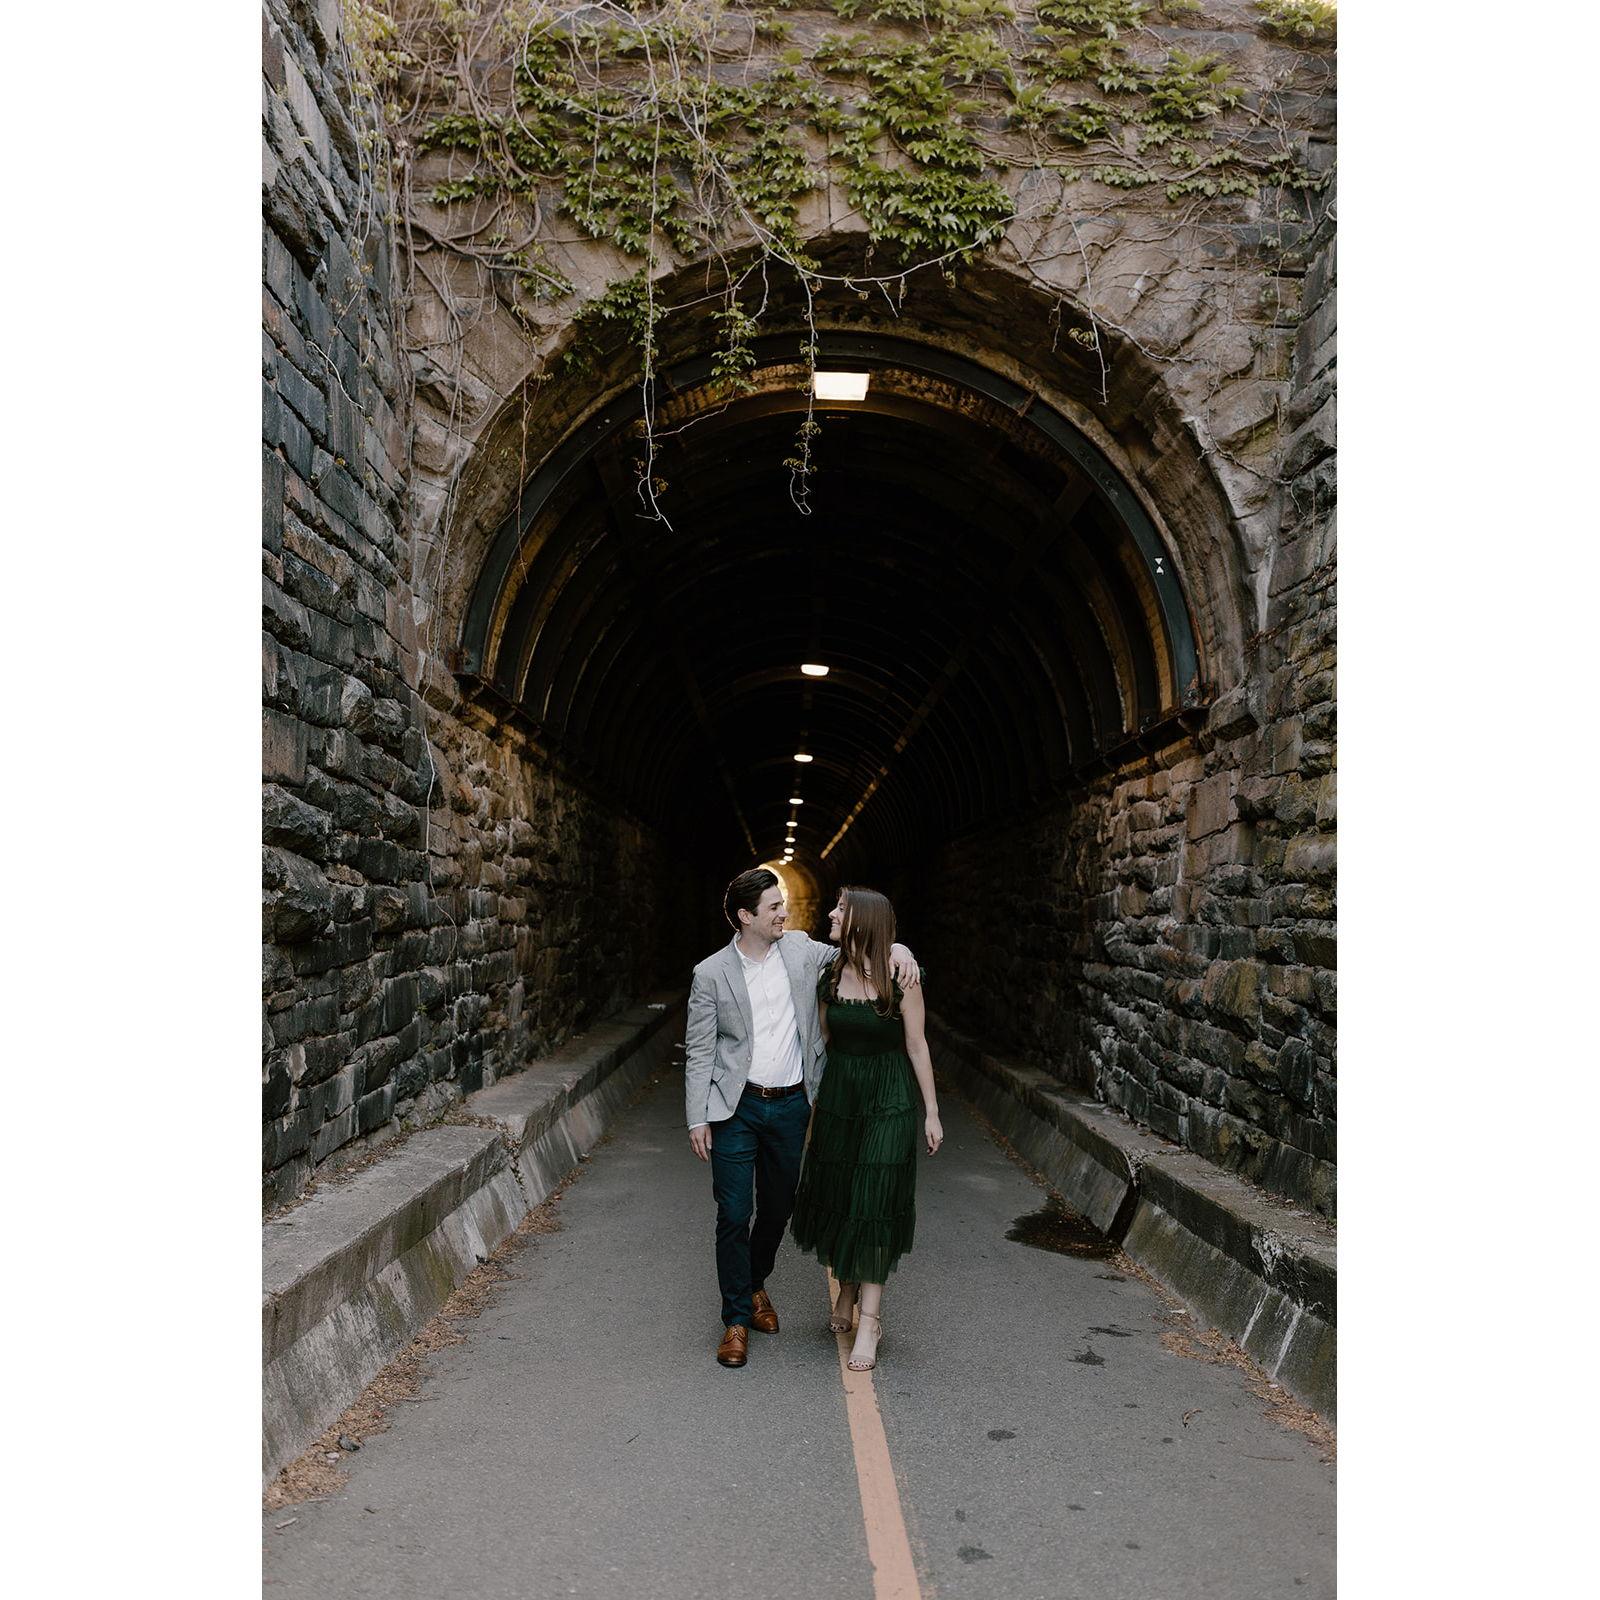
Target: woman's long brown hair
{"x":865,"y":935}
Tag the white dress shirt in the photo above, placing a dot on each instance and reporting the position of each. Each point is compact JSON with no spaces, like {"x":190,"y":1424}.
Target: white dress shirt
{"x":776,"y":1062}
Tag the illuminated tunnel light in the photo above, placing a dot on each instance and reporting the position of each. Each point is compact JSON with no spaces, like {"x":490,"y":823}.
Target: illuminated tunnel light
{"x":800,"y":755}
{"x":813,"y":669}
{"x":840,"y":385}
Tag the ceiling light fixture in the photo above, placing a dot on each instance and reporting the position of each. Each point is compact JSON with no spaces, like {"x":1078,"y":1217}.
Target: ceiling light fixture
{"x":795,"y":800}
{"x":801,"y":756}
{"x":840,"y":385}
{"x":813,"y":669}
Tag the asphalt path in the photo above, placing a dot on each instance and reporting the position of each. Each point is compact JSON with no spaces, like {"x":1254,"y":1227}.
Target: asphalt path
{"x":1045,"y":1444}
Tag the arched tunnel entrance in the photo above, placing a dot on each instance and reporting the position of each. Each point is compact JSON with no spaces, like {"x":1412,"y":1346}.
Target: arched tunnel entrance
{"x":967,"y":612}
{"x":1069,"y":721}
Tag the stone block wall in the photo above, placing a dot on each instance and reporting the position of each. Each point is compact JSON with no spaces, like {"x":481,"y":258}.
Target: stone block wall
{"x":439,"y":903}
{"x":1166,"y":939}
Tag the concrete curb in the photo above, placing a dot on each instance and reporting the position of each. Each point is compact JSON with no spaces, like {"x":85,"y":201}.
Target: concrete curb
{"x":351,"y":1275}
{"x":554,"y":1111}
{"x":1253,"y":1267}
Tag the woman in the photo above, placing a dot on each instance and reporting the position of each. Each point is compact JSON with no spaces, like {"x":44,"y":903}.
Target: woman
{"x":856,"y":1204}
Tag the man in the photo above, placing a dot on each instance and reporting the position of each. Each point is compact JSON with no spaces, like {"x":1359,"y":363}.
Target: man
{"x":755,"y":1058}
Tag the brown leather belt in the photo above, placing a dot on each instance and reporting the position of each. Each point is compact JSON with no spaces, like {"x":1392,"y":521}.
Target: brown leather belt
{"x":773,"y":1094}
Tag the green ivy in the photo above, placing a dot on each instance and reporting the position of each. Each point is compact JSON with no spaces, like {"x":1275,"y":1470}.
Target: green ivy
{"x":947,"y":12}
{"x":1108,"y":17}
{"x":735,"y":360}
{"x":905,"y":118}
{"x":1311,"y":21}
{"x":628,"y":303}
{"x":934,"y":213}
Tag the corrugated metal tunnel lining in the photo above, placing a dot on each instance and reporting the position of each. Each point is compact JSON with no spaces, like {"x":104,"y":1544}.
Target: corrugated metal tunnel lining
{"x":995,"y":607}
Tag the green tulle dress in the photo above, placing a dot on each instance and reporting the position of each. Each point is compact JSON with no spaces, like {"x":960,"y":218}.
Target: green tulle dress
{"x":855,"y":1208}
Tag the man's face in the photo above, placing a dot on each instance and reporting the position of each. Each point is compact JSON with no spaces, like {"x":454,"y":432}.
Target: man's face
{"x":771,"y":913}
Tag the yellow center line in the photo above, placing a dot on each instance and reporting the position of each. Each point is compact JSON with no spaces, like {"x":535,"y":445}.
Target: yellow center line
{"x":894,"y":1574}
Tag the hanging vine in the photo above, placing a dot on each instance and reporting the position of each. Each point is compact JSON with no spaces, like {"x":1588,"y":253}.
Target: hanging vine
{"x":696,"y":130}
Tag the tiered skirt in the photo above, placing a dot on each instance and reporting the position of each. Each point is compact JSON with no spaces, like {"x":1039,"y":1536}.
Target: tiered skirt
{"x":855,"y":1208}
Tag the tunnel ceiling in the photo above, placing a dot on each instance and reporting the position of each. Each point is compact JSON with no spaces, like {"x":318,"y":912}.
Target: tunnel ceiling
{"x":995,"y":609}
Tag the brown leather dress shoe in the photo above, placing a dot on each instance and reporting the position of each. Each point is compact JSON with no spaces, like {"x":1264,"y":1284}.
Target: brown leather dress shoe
{"x":762,"y":1317}
{"x":735,"y":1345}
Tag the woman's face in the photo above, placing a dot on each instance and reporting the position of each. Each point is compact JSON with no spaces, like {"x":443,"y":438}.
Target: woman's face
{"x":836,"y":920}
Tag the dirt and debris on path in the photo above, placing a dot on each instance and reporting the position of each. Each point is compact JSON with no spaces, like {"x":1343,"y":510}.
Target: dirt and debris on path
{"x":1181,"y":1335}
{"x":319,"y":1472}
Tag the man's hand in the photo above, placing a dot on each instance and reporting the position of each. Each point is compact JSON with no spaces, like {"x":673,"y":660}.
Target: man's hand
{"x":904,"y":967}
{"x":700,"y":1141}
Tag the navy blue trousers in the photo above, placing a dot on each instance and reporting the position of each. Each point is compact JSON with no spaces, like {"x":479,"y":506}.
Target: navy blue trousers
{"x":755,"y":1166}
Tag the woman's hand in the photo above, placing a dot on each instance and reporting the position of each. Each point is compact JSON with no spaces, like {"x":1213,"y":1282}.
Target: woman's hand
{"x":934,"y":1130}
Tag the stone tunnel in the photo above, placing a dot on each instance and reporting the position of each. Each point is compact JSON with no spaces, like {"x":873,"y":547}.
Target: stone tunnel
{"x":537,"y":641}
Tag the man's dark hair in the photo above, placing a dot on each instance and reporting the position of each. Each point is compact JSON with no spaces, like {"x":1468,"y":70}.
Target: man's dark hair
{"x":745,"y":892}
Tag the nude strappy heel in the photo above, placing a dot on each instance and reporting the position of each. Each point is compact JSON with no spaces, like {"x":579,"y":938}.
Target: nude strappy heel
{"x":867,"y":1366}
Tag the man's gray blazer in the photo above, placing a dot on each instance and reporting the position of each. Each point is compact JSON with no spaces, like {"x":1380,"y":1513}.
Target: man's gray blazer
{"x":719,"y":1043}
